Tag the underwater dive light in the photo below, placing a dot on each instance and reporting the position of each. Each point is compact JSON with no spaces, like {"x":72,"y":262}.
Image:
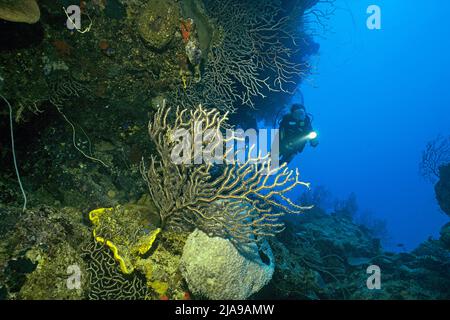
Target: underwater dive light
{"x":312,"y":135}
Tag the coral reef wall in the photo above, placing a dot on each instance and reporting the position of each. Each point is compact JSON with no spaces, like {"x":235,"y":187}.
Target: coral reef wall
{"x":81,"y":102}
{"x":442,"y":188}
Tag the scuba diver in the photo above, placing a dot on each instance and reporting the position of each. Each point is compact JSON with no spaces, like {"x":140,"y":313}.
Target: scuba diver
{"x":295,"y":131}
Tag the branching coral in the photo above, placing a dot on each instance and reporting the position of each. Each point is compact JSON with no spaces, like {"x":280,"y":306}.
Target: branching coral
{"x":435,"y":155}
{"x":63,"y":88}
{"x":240,"y":201}
{"x":257,"y":50}
{"x":258,"y":44}
{"x":317,"y":15}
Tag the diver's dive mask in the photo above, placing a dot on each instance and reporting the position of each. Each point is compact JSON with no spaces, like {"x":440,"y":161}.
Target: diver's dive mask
{"x":299,"y":114}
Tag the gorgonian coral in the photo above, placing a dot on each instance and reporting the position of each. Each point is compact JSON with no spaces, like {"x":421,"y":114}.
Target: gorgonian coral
{"x":257,"y":49}
{"x":435,"y":155}
{"x":241,"y":201}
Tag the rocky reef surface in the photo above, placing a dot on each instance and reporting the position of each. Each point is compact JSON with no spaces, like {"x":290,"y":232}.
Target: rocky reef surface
{"x":318,"y":256}
{"x":321,"y":256}
{"x":442,"y":188}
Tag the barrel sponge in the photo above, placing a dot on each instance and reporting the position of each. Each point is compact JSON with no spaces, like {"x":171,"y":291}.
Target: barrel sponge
{"x":215,"y":269}
{"x":26,"y":11}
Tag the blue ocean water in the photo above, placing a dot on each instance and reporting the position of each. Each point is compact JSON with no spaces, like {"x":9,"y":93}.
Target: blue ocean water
{"x":378,"y":96}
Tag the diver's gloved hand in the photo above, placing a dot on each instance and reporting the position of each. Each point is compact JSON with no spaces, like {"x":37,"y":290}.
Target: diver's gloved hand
{"x":314,"y":143}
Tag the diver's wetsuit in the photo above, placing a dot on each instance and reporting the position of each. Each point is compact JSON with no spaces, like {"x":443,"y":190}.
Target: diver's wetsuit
{"x":293,"y":136}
